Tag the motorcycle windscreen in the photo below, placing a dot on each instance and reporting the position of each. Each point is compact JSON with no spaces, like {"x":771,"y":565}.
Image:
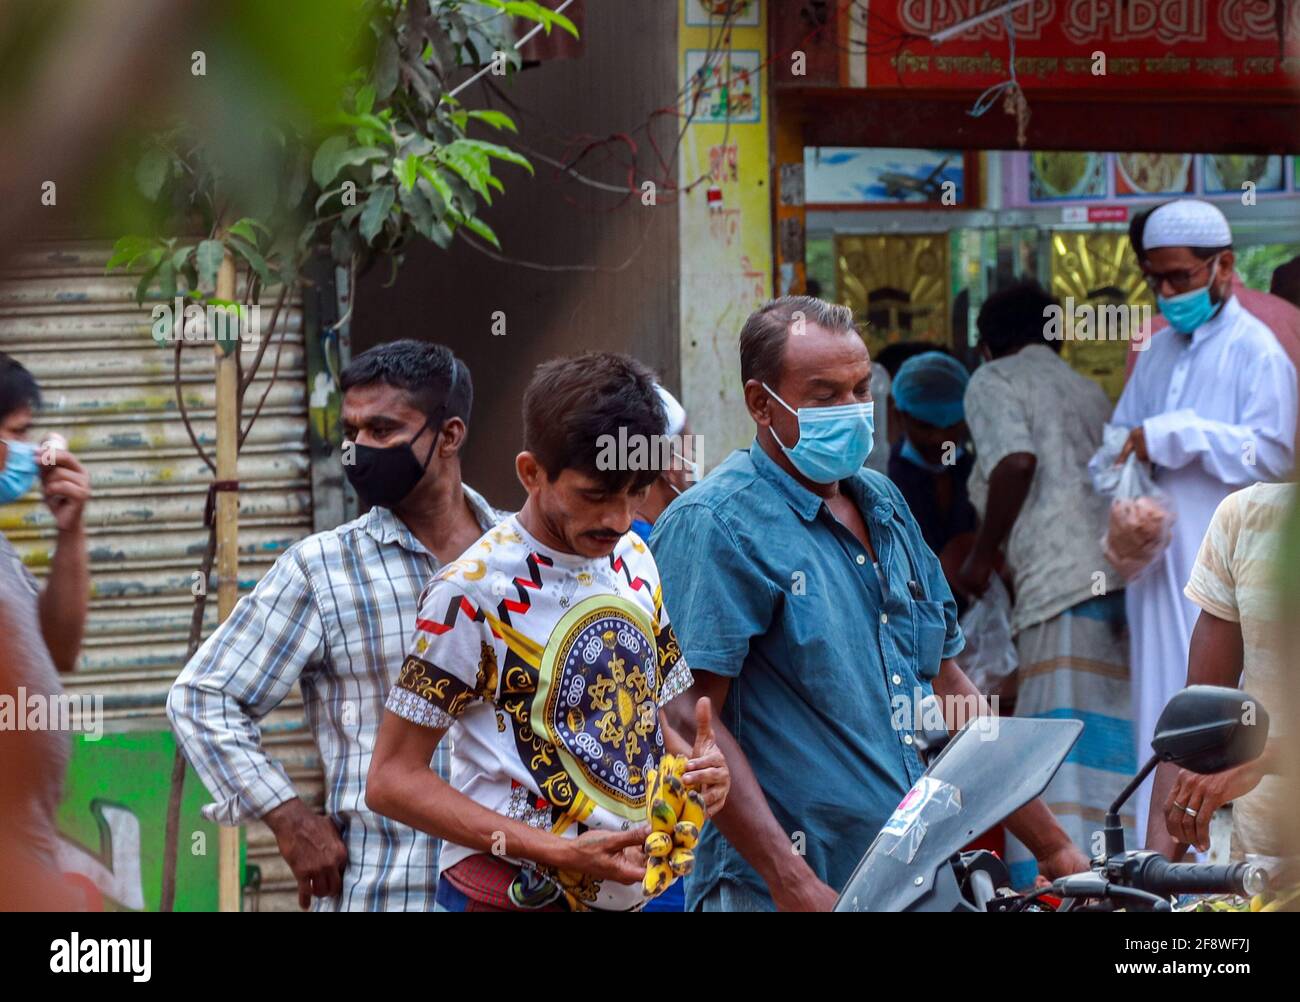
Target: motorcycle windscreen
{"x":992,"y":768}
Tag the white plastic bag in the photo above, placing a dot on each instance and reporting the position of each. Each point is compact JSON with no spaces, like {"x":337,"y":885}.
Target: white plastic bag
{"x":1142,"y":515}
{"x":989,"y":655}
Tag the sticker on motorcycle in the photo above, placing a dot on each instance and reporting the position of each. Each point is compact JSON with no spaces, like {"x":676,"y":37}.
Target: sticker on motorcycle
{"x":930,"y":800}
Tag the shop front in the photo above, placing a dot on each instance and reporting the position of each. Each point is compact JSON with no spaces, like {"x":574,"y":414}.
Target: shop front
{"x":918,"y":271}
{"x":928,"y":153}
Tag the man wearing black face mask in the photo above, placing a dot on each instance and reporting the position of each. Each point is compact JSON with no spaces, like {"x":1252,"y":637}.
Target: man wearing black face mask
{"x":334,"y":615}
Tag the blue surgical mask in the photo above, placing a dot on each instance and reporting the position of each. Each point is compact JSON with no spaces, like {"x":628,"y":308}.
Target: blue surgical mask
{"x":1187,"y":311}
{"x":833,"y":443}
{"x":19,"y":472}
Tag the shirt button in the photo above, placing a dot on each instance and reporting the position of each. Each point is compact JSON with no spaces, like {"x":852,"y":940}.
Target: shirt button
{"x":898,"y":679}
{"x":861,"y":559}
{"x":907,"y":739}
{"x":884,"y":617}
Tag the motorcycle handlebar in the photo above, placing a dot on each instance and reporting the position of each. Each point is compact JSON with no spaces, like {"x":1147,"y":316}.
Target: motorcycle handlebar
{"x":1156,"y":874}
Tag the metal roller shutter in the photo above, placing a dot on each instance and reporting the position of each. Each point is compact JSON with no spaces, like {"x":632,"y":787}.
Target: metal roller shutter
{"x":109,"y":391}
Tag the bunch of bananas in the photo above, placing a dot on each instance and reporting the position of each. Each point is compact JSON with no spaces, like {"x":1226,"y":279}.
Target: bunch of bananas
{"x":676,"y":816}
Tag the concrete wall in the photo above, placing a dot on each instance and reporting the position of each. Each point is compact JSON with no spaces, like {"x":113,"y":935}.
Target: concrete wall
{"x":626,"y":299}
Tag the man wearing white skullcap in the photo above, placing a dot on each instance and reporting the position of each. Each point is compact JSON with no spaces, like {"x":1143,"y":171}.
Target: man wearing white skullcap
{"x":679,"y":475}
{"x":683,"y":469}
{"x":1211,"y":405}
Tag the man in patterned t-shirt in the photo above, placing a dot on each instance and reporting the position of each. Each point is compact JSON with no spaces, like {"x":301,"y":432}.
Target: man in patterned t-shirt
{"x":548,"y":647}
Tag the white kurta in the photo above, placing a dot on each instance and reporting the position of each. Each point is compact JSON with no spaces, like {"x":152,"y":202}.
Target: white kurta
{"x":1219,"y":412}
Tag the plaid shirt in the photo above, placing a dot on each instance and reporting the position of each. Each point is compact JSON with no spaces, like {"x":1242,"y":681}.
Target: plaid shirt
{"x":335,"y":614}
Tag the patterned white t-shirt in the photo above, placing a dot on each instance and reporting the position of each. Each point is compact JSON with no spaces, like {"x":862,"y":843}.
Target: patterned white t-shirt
{"x":552,"y":667}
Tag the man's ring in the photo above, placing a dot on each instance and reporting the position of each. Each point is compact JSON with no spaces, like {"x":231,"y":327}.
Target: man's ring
{"x":1190,"y":811}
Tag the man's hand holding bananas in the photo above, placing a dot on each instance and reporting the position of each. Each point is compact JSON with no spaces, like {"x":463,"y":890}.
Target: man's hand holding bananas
{"x":682,"y":793}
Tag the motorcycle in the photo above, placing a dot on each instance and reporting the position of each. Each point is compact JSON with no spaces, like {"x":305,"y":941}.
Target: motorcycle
{"x":994,"y":766}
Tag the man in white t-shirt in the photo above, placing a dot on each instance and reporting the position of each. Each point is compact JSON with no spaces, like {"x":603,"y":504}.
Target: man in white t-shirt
{"x":547,"y":646}
{"x":1237,"y":641}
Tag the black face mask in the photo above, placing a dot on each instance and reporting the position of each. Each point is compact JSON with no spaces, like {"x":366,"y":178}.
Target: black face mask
{"x":386,"y":476}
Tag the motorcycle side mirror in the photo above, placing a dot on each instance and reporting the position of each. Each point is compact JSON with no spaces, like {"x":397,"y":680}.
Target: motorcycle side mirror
{"x":1203,"y":729}
{"x":1209,"y":728}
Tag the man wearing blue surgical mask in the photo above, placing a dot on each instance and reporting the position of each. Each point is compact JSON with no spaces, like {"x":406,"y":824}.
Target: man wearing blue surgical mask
{"x":40,"y":628}
{"x":64,"y":488}
{"x":1211,"y":405}
{"x":817,"y":619}
{"x":931,"y":464}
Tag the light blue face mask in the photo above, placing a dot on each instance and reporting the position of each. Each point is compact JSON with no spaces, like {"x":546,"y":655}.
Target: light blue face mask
{"x":19,"y":472}
{"x":833,"y":443}
{"x":1187,"y":311}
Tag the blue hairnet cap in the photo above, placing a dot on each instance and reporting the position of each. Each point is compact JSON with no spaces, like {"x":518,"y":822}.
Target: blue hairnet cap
{"x":930,"y":388}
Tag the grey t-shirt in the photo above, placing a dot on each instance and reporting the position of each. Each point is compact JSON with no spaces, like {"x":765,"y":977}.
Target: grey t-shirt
{"x":35,"y":761}
{"x":1034,"y":402}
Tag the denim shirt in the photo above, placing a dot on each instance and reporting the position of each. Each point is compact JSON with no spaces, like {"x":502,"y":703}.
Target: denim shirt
{"x":827,"y":659}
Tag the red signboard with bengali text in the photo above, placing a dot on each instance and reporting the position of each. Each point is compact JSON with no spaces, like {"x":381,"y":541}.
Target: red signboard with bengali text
{"x":1101,"y":45}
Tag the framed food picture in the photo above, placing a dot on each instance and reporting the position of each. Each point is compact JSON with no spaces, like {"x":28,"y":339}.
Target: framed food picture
{"x":1228,"y":173}
{"x":1066,"y":174}
{"x":1141,"y":175}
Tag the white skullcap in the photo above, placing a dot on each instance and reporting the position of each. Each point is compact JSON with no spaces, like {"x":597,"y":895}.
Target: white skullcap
{"x":676,"y":413}
{"x":1186,"y":222}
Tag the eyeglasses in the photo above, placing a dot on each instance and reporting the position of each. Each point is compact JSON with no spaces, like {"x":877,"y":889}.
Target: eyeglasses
{"x":1180,"y":281}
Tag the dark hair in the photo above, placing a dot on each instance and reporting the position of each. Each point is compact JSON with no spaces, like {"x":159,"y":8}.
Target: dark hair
{"x":763,"y":338}
{"x":1014,"y":317}
{"x":891,"y":357}
{"x":18,"y":388}
{"x":572,"y":402}
{"x":1138,"y":224}
{"x":429,"y":373}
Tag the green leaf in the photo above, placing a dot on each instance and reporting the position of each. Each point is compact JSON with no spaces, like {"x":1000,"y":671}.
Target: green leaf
{"x":387,"y":59}
{"x":365,"y":99}
{"x":471,"y":166}
{"x":247,"y":228}
{"x":167,"y":279}
{"x":496,"y":119}
{"x":179,"y":255}
{"x":476,"y":225}
{"x":209,"y":257}
{"x":250,"y":254}
{"x":415,"y":203}
{"x":151,"y":173}
{"x":534,"y":12}
{"x":496,"y":150}
{"x":326,"y":195}
{"x":142,"y":288}
{"x":336,"y":153}
{"x":407,"y":171}
{"x":440,"y":185}
{"x":375,"y":212}
{"x":128,"y":250}
{"x":417,"y":146}
{"x":327,"y":162}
